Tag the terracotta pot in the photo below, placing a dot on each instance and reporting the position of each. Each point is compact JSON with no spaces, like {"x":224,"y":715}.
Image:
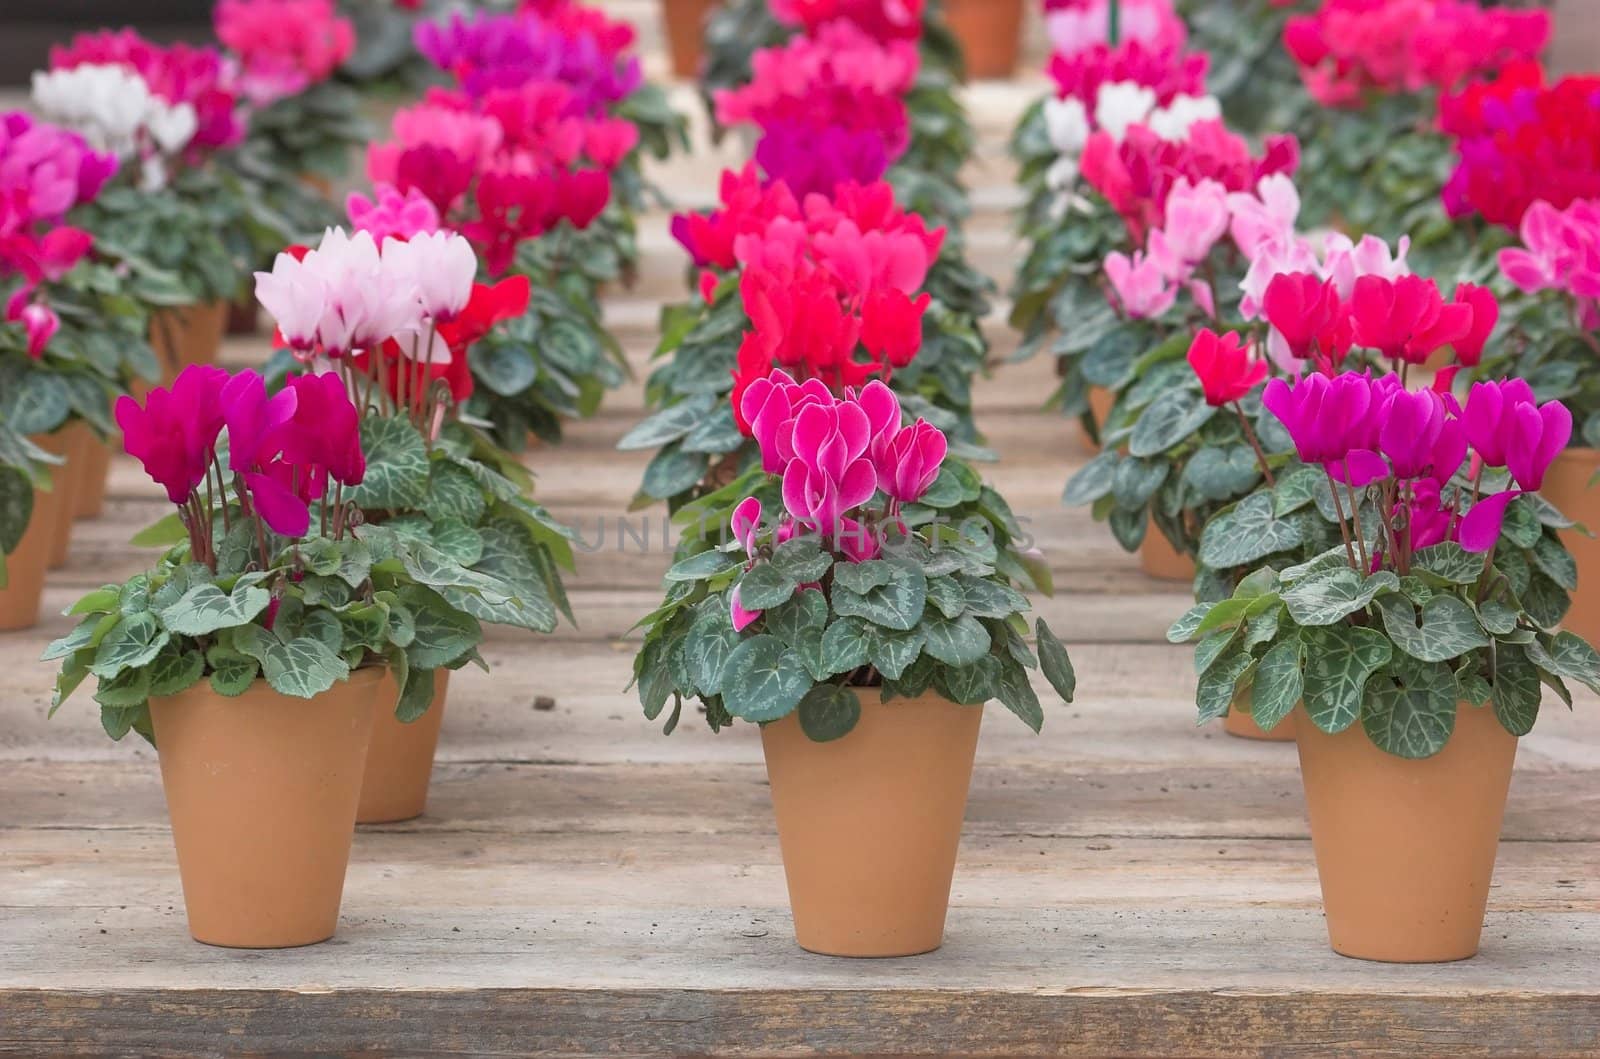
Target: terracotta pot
{"x":1100,"y":401}
{"x":686,"y":28}
{"x":990,"y":33}
{"x":189,"y":334}
{"x":89,"y":494}
{"x":262,"y":792}
{"x":400,"y":760}
{"x":870,"y":823}
{"x":1160,"y":560}
{"x":1238,"y":722}
{"x":1405,"y":849}
{"x":73,"y":443}
{"x":25,"y":567}
{"x":1566,"y":485}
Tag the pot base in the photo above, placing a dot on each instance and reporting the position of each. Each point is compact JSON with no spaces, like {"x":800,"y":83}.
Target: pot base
{"x":870,"y":824}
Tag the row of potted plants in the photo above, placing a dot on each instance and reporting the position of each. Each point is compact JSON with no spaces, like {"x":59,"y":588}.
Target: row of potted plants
{"x":844,"y":578}
{"x":199,"y":163}
{"x":1375,"y":571}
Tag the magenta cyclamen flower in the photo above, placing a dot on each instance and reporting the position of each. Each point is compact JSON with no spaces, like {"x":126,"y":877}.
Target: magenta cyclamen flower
{"x":830,"y":473}
{"x":1420,"y":437}
{"x":175,"y":432}
{"x":1330,"y":421}
{"x":1508,"y":428}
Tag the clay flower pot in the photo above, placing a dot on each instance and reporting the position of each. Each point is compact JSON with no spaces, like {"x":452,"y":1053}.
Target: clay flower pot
{"x":188,"y":334}
{"x":262,"y":792}
{"x":1100,"y":402}
{"x":870,"y":823}
{"x":394,"y":786}
{"x":89,"y":493}
{"x":686,"y":27}
{"x":1160,"y":560}
{"x":72,"y":443}
{"x":1566,"y":485}
{"x":1405,"y":849}
{"x":1238,"y":722}
{"x":25,"y":567}
{"x":990,"y":32}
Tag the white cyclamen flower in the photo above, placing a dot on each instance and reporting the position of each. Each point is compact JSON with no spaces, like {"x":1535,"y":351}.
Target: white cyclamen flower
{"x":109,"y":105}
{"x":1121,"y":104}
{"x":442,"y":267}
{"x":1067,"y":124}
{"x":1172,"y":122}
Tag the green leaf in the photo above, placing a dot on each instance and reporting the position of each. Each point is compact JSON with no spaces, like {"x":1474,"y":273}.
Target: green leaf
{"x":891,"y":651}
{"x":232,"y":673}
{"x":1411,"y":710}
{"x":205,"y":608}
{"x":1569,"y":656}
{"x":829,"y":712}
{"x":1054,"y":662}
{"x":132,"y":643}
{"x":175,"y":670}
{"x":764,"y":680}
{"x":1449,"y":627}
{"x":1331,"y":595}
{"x":971,"y":685}
{"x":706,"y":649}
{"x":1093,"y":481}
{"x":844,"y":647}
{"x":891,"y":593}
{"x":1515,"y":689}
{"x":764,"y":586}
{"x":1219,"y":684}
{"x":1450,"y":563}
{"x":397,"y":476}
{"x":302,"y":668}
{"x":1551,"y":556}
{"x":443,"y":636}
{"x":457,"y":540}
{"x":673,"y":471}
{"x":802,"y":559}
{"x":955,"y":641}
{"x":1185,"y":628}
{"x":806,"y":611}
{"x":1017,"y":694}
{"x":668,"y":425}
{"x":1276,"y":689}
{"x":1171,"y":418}
{"x":1246,"y":533}
{"x":416,"y":696}
{"x":1220,"y":474}
{"x":990,"y":599}
{"x":704,"y":566}
{"x":1339,"y":661}
{"x":454,"y":493}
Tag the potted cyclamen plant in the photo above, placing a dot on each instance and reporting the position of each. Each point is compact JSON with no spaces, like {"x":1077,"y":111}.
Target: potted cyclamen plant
{"x":1553,"y":343}
{"x":396,"y":322}
{"x":176,"y":221}
{"x":70,"y":342}
{"x":863,"y":627}
{"x":1411,"y":653}
{"x":251,"y":654}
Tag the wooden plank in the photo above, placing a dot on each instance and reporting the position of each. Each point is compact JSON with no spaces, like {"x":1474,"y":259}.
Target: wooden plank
{"x":729,"y":981}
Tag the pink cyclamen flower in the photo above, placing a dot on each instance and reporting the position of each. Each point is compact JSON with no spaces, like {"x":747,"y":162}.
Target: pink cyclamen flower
{"x":1196,"y":217}
{"x":746,"y":523}
{"x":1143,"y":284}
{"x":1405,"y":318}
{"x":391,"y":215}
{"x":830,"y":473}
{"x":40,"y":322}
{"x":1225,"y":366}
{"x":908,"y":462}
{"x":1485,"y":314}
{"x":1265,"y":215}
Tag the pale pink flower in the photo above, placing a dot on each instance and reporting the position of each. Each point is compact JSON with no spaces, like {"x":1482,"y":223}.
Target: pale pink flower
{"x":1196,"y":217}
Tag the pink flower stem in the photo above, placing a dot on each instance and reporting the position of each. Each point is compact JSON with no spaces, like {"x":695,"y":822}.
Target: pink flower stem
{"x":1338,"y":508}
{"x":1355,"y":521}
{"x":1255,"y":444}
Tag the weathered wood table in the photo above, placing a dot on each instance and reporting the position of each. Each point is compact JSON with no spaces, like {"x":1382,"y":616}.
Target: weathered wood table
{"x":1128,"y":884}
